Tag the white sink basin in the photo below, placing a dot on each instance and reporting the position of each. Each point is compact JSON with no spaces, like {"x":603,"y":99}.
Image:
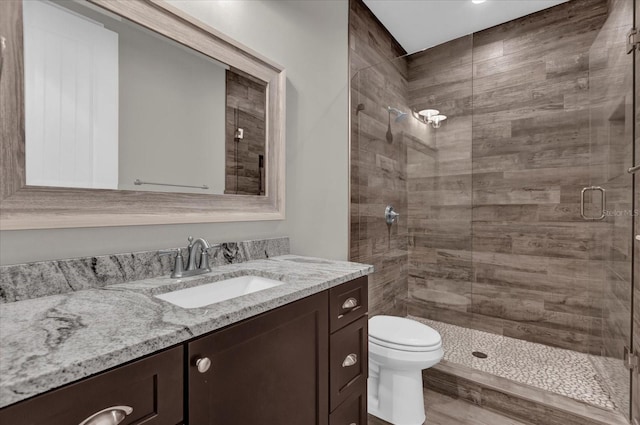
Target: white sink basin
{"x":210,"y":293}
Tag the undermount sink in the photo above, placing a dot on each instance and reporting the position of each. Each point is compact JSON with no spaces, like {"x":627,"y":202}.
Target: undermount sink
{"x":210,"y":293}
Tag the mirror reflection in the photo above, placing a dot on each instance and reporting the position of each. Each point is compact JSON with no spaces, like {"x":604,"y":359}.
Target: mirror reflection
{"x":112,"y":105}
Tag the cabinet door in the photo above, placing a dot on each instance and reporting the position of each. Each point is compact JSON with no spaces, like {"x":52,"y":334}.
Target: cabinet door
{"x":147,"y":391}
{"x":268,"y":370}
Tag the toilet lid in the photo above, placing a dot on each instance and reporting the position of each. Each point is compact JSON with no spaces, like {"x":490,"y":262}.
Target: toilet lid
{"x":403,"y":334}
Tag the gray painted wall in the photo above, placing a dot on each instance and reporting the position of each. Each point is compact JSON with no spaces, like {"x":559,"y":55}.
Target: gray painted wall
{"x":187,"y":143}
{"x":309,"y":39}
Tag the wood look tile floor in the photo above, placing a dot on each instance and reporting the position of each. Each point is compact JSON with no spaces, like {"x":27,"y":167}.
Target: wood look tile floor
{"x":444,"y":410}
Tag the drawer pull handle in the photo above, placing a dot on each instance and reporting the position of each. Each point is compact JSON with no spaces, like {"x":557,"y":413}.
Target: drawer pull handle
{"x":350,"y":304}
{"x":203,"y":364}
{"x":350,"y":360}
{"x":109,"y":416}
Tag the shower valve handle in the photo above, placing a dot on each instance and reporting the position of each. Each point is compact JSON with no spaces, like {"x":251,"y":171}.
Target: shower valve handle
{"x":390,"y":215}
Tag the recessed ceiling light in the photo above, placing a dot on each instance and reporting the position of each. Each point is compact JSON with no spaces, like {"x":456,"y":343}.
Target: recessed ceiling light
{"x":477,"y":1}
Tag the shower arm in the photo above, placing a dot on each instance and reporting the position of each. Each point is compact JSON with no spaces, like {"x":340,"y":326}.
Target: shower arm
{"x":400,"y":116}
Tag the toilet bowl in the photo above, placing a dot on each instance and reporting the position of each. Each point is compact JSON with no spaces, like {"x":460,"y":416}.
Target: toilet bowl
{"x":399,"y":349}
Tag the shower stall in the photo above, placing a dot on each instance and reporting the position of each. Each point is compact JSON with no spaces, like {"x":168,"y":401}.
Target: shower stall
{"x":516,"y":234}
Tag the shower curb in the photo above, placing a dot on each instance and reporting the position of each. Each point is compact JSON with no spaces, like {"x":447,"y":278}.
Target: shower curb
{"x":515,"y":400}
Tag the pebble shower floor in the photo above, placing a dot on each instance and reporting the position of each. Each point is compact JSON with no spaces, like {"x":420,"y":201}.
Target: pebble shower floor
{"x":556,"y":370}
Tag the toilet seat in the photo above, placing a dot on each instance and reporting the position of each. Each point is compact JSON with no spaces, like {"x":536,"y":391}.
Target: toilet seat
{"x":400,"y":347}
{"x":403,"y":334}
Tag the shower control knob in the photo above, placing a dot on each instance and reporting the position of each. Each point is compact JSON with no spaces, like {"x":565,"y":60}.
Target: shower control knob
{"x":390,"y":215}
{"x":638,"y":237}
{"x":203,"y":364}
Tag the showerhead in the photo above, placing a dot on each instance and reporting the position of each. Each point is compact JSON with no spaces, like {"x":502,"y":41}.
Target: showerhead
{"x":400,"y":116}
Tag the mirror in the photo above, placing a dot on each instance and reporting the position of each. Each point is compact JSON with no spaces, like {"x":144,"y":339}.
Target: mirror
{"x":110,"y":104}
{"x":178,"y":107}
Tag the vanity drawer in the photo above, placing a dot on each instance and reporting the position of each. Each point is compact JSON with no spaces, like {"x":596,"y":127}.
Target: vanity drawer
{"x":353,"y":411}
{"x":152,"y":387}
{"x":348,"y":361}
{"x":348,"y":302}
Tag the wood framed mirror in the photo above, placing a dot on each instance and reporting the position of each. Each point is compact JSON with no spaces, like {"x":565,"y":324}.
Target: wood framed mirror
{"x":28,"y":205}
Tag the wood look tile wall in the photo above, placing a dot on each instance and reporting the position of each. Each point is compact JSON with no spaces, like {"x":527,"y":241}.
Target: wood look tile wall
{"x":378,"y":168}
{"x":246,"y":100}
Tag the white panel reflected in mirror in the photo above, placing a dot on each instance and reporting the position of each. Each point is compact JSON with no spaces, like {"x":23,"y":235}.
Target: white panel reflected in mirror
{"x":71,"y":99}
{"x":109,"y":103}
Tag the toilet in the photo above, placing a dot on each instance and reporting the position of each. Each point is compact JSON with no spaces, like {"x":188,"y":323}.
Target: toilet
{"x":399,"y":349}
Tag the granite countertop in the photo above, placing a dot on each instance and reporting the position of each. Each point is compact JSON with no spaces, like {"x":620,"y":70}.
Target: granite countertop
{"x":54,"y":340}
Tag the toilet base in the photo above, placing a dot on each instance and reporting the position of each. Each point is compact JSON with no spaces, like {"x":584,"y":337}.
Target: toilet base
{"x":396,"y":396}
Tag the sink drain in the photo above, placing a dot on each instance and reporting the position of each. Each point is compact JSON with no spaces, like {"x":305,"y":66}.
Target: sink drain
{"x":479,"y":354}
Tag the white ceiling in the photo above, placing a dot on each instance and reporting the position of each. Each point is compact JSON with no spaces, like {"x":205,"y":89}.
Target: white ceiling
{"x":420,"y":24}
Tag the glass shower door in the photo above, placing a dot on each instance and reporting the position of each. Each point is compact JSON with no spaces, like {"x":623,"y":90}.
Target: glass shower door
{"x":611,"y":127}
{"x":379,"y":120}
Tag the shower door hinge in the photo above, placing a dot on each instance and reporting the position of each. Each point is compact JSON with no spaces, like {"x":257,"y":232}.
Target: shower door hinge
{"x":633,"y":40}
{"x":630,"y":359}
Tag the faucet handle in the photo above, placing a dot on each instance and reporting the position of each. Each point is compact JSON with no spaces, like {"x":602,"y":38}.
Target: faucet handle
{"x":204,"y":260}
{"x":178,"y":266}
{"x":204,"y":256}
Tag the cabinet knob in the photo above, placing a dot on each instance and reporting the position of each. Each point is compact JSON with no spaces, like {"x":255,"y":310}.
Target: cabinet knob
{"x":350,"y":304}
{"x":203,"y":364}
{"x":350,"y":360}
{"x":109,"y":416}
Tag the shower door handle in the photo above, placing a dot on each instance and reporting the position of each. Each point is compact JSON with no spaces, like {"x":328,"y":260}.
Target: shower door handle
{"x":602,"y":203}
{"x":3,"y":48}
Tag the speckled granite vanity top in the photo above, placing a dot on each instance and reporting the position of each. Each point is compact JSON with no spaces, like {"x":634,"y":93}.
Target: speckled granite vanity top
{"x":53,"y":340}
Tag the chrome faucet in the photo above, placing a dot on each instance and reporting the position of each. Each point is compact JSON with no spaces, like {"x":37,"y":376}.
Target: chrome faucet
{"x":195,"y":265}
{"x":203,"y":262}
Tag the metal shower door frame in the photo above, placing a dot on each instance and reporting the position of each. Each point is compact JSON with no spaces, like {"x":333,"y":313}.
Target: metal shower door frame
{"x":634,"y":393}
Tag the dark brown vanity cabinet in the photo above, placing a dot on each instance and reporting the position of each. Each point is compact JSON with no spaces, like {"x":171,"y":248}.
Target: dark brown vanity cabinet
{"x":304,"y":363}
{"x":270,"y":369}
{"x":348,"y":353}
{"x":147,"y":391}
{"x":284,"y":366}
